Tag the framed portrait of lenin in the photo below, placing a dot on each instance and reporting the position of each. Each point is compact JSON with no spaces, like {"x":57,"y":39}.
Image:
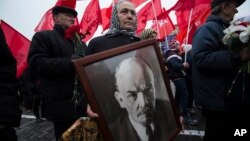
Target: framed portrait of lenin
{"x":129,"y":88}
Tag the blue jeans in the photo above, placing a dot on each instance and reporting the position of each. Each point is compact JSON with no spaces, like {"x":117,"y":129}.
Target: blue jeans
{"x":181,"y":95}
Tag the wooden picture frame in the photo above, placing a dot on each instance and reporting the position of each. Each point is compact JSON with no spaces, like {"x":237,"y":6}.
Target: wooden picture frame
{"x":97,"y":76}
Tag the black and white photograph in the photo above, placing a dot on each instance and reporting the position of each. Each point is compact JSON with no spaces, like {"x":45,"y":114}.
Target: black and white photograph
{"x":131,"y":92}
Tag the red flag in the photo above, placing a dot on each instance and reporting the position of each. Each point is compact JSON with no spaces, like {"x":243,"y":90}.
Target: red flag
{"x":135,"y":2}
{"x":106,"y":13}
{"x":47,"y":21}
{"x":183,"y":8}
{"x":19,"y":46}
{"x":187,"y":4}
{"x":164,"y":23}
{"x":91,"y":19}
{"x":197,"y":22}
{"x":201,"y":9}
{"x":149,"y":12}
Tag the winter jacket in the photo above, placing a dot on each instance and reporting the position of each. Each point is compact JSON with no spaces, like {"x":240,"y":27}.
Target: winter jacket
{"x":10,"y":113}
{"x":107,"y":42}
{"x":214,"y":69}
{"x":50,"y":57}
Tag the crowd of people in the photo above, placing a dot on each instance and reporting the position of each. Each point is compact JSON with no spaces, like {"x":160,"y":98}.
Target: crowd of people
{"x":204,"y":78}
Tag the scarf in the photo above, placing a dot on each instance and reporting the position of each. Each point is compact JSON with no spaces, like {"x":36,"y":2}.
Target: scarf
{"x":115,"y":25}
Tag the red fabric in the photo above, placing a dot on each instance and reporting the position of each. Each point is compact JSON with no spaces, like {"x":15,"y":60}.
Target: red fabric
{"x":199,"y":17}
{"x":135,"y":2}
{"x":18,"y":44}
{"x":183,"y":8}
{"x":165,"y":25}
{"x":142,"y":17}
{"x":106,"y":15}
{"x":187,"y":4}
{"x":69,"y":3}
{"x":47,"y":22}
{"x":69,"y":33}
{"x":147,"y":13}
{"x":91,"y":19}
{"x":201,"y":10}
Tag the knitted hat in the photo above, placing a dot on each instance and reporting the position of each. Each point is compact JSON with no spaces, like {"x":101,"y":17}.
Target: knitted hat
{"x":215,"y":3}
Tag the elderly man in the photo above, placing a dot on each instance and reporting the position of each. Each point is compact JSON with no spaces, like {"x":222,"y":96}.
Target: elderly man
{"x":219,"y":86}
{"x":50,"y":57}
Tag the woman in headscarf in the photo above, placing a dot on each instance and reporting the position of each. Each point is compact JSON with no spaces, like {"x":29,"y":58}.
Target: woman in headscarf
{"x":122,"y":29}
{"x":121,"y":32}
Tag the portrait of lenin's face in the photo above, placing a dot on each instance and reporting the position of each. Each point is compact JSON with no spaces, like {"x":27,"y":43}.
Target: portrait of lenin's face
{"x":136,"y":89}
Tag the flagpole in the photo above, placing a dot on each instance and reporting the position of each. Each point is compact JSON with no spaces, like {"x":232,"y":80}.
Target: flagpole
{"x":189,"y":21}
{"x":188,"y":29}
{"x":158,"y":30}
{"x":165,"y":34}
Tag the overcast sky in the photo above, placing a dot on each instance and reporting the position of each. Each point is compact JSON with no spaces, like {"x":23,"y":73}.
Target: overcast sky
{"x":24,"y":15}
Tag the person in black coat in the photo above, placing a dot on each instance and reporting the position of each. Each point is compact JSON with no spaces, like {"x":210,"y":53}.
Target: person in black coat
{"x":10,"y":112}
{"x":219,"y":87}
{"x":50,"y":57}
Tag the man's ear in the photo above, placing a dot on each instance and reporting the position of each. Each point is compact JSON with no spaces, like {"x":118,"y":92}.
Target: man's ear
{"x":119,"y":99}
{"x":225,"y":5}
{"x":56,"y":18}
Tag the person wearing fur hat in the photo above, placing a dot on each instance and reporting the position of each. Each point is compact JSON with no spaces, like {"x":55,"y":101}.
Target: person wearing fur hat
{"x":50,"y":57}
{"x":220,"y":87}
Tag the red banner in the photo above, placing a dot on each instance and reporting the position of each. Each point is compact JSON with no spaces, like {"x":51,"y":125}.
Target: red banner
{"x":19,"y":46}
{"x":163,"y":25}
{"x":149,"y":12}
{"x":91,"y":19}
{"x":47,"y":21}
{"x":106,"y":15}
{"x":200,"y":11}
